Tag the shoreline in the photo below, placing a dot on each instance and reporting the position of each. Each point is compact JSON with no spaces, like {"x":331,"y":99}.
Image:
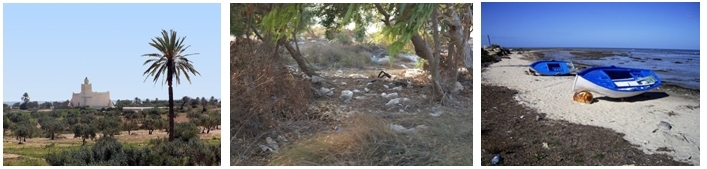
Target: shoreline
{"x":638,"y":118}
{"x":537,"y":55}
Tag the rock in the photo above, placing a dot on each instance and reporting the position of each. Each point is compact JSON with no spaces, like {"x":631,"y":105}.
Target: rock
{"x":356,"y":91}
{"x":346,"y":95}
{"x":665,"y":125}
{"x":411,"y":73}
{"x":317,"y":79}
{"x":360,"y":97}
{"x":383,"y":94}
{"x":436,"y":113}
{"x":393,"y":102}
{"x":343,"y":83}
{"x":457,"y":87}
{"x":399,"y":88}
{"x":366,"y":90}
{"x":324,"y":91}
{"x":386,"y":86}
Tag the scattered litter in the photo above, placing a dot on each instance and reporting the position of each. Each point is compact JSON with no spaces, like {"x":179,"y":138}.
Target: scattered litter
{"x":537,"y":117}
{"x":337,"y":128}
{"x":271,"y":143}
{"x":386,"y":86}
{"x":282,"y":138}
{"x":521,"y":117}
{"x":400,"y":129}
{"x":496,"y":159}
{"x":545,"y":146}
{"x":265,"y":148}
{"x":393,"y":102}
{"x":366,"y":90}
{"x":356,"y":91}
{"x":343,"y":83}
{"x":360,"y":97}
{"x":391,"y":95}
{"x":436,"y":113}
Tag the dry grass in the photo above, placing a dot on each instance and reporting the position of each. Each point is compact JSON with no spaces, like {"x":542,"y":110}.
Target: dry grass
{"x":369,"y":140}
{"x":336,"y":55}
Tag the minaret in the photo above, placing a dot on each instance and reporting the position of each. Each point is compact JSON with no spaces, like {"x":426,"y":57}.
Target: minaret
{"x":86,"y":87}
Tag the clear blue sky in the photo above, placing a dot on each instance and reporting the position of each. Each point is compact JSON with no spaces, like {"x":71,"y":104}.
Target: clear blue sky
{"x":50,"y":48}
{"x":613,"y":25}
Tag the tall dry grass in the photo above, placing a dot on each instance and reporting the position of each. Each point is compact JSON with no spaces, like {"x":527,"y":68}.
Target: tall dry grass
{"x":368,"y":140}
{"x":263,"y":94}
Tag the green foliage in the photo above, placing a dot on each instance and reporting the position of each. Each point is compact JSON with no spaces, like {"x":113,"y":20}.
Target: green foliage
{"x":185,"y":131}
{"x":51,"y":125}
{"x":343,"y":38}
{"x":282,"y":20}
{"x":171,"y":54}
{"x":6,"y":123}
{"x":85,"y":131}
{"x":408,"y":22}
{"x":153,"y":122}
{"x":130,"y":126}
{"x":109,"y":125}
{"x":108,"y":151}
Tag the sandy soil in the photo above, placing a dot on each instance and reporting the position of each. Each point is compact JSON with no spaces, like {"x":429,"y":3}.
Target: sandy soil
{"x":638,"y":118}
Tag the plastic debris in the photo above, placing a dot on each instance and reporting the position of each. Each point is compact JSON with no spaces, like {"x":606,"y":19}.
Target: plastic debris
{"x":496,"y":159}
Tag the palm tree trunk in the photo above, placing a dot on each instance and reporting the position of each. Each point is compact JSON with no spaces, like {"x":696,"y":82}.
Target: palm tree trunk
{"x":170,"y":72}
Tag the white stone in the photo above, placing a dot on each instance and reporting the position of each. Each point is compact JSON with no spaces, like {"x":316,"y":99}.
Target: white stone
{"x":366,"y":90}
{"x":399,"y":88}
{"x":346,"y":95}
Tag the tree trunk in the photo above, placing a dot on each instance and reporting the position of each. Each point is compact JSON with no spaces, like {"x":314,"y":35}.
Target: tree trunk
{"x":84,"y":142}
{"x":434,"y":60}
{"x":52,"y":136}
{"x":170,"y":72}
{"x":298,"y":58}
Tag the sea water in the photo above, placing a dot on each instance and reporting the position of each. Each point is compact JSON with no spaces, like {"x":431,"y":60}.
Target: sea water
{"x":673,"y":66}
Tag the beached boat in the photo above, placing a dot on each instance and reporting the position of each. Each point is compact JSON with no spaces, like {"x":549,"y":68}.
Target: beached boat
{"x":616,"y":82}
{"x":551,"y":67}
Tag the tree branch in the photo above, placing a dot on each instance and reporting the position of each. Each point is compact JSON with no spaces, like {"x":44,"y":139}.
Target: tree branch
{"x":386,"y":16}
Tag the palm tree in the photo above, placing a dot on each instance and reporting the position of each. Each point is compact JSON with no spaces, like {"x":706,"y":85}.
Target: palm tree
{"x":172,"y":62}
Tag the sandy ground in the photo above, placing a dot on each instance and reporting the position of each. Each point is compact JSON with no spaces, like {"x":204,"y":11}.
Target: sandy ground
{"x":638,"y":119}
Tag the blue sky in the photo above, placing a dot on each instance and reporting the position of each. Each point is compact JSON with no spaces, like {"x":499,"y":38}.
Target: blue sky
{"x":50,"y":48}
{"x":613,"y":25}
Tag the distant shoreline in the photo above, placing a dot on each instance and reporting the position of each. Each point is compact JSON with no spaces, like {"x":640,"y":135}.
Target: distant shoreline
{"x":537,"y":54}
{"x":549,"y":48}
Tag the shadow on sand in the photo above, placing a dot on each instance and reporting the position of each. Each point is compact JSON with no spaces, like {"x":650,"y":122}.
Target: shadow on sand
{"x":639,"y":98}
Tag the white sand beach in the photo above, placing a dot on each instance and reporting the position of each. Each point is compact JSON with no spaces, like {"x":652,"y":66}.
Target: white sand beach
{"x":637,"y":119}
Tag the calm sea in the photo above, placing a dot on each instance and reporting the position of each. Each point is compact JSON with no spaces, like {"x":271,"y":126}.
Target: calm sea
{"x":678,"y":67}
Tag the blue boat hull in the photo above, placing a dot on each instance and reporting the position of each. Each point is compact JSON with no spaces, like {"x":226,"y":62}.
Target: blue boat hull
{"x":616,"y":82}
{"x":551,"y":68}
